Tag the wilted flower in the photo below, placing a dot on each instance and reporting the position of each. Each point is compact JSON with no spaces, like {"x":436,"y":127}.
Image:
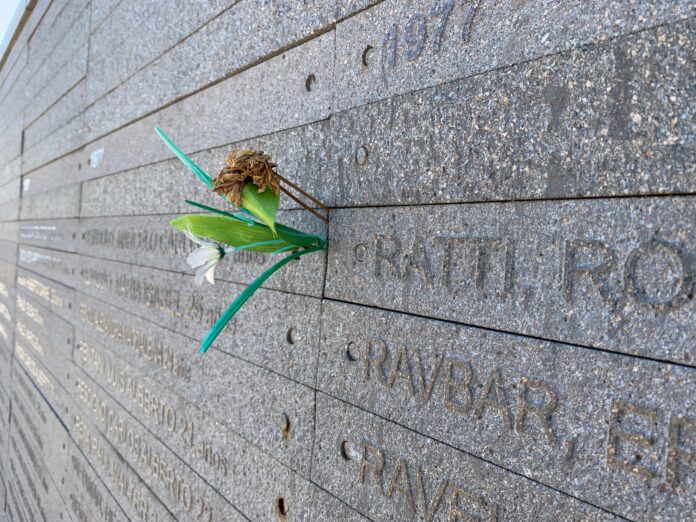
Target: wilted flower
{"x":205,"y":258}
{"x":241,"y":167}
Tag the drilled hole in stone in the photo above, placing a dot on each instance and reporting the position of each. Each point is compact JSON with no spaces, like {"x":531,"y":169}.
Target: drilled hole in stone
{"x":344,"y":450}
{"x":349,"y":354}
{"x":310,"y":81}
{"x":365,"y":54}
{"x":281,"y":508}
{"x":286,"y":427}
{"x":290,"y":336}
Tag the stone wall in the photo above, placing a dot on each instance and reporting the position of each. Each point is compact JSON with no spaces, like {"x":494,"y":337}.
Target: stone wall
{"x":503,"y":327}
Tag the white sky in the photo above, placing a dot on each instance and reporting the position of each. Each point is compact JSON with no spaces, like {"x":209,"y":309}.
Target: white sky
{"x":7,"y":10}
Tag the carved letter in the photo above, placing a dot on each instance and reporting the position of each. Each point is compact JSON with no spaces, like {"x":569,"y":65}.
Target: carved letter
{"x":401,"y":369}
{"x":458,"y":514}
{"x":457,"y":384}
{"x":401,"y":482}
{"x":429,"y":510}
{"x":374,"y":467}
{"x":677,"y":452}
{"x":597,"y":271}
{"x":377,"y":361}
{"x":426,"y":390}
{"x":417,"y":262}
{"x":388,"y":256}
{"x":686,"y":278}
{"x":618,"y":434}
{"x":543,"y":412}
{"x":498,"y":402}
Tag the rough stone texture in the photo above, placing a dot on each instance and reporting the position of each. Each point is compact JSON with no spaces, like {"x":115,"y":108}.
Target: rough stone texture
{"x":545,"y":410}
{"x":391,"y":474}
{"x":149,"y":241}
{"x":502,"y":328}
{"x":574,"y":124}
{"x":611,"y":274}
{"x":476,"y":37}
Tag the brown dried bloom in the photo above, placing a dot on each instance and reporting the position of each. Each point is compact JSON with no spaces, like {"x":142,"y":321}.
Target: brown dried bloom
{"x":242,"y":166}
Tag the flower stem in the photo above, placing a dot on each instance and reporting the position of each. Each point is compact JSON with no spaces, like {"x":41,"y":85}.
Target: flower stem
{"x":228,"y":314}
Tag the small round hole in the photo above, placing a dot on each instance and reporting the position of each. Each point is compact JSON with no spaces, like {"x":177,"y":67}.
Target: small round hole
{"x":365,"y":54}
{"x":286,"y":430}
{"x":281,"y":508}
{"x":344,"y":450}
{"x":310,"y":81}
{"x":290,"y":336}
{"x":349,"y":354}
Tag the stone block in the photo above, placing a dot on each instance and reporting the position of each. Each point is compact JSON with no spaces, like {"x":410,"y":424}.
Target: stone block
{"x":390,"y":473}
{"x":612,"y":119}
{"x":274,"y":329}
{"x":558,"y":414}
{"x":150,"y":241}
{"x":258,"y":106}
{"x":58,"y":234}
{"x":398,"y":47}
{"x":63,"y":202}
{"x":615,"y":274}
{"x":209,"y":445}
{"x":270,"y":411}
{"x":52,"y":264}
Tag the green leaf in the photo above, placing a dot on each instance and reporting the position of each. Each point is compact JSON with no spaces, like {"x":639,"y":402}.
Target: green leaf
{"x":264,"y":205}
{"x":199,"y":172}
{"x":230,"y":231}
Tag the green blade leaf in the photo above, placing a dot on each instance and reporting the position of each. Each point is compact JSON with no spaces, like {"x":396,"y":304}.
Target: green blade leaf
{"x":264,"y":205}
{"x":199,"y":172}
{"x":230,"y":232}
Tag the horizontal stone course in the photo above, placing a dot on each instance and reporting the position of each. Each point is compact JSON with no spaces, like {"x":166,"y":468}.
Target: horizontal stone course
{"x":558,"y":414}
{"x":150,"y":241}
{"x":397,"y":47}
{"x":390,"y":473}
{"x":615,"y":274}
{"x":262,"y":400}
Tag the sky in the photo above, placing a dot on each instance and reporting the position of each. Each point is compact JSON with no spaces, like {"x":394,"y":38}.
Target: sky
{"x":7,"y":10}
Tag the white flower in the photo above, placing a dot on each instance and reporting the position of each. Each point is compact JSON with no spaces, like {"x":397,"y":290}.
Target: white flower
{"x":205,"y":258}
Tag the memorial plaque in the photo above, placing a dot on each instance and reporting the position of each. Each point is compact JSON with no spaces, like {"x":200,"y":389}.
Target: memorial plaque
{"x":391,"y":474}
{"x":150,"y":241}
{"x":501,"y":327}
{"x":559,"y":414}
{"x":573,"y":124}
{"x":398,"y":46}
{"x":291,"y":322}
{"x":611,"y":274}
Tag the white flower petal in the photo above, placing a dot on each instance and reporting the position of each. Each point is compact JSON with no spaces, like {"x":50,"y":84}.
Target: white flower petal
{"x":203,"y":255}
{"x":210,"y":274}
{"x":201,"y":272}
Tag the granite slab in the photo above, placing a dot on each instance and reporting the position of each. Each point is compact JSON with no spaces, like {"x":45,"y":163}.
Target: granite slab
{"x":400,"y":46}
{"x":390,"y":473}
{"x":615,"y":274}
{"x":561,"y":415}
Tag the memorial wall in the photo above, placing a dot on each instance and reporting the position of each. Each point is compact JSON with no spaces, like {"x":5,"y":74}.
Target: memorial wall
{"x":503,"y":326}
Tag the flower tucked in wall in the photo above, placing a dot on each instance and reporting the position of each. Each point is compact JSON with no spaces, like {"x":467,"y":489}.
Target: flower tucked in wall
{"x":250,"y":183}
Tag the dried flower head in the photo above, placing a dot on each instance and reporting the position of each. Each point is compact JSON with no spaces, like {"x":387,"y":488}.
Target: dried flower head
{"x":242,"y":166}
